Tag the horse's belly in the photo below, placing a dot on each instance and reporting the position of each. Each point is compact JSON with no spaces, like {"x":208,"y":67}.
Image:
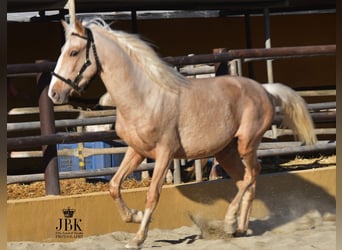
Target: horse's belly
{"x":199,"y":144}
{"x":209,"y":117}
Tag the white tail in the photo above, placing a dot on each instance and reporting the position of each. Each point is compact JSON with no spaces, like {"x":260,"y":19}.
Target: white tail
{"x":294,"y":108}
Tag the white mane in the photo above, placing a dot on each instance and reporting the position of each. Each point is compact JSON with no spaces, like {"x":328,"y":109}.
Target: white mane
{"x":157,"y":70}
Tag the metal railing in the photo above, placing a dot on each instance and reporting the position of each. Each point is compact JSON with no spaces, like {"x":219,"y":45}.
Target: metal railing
{"x":48,"y":139}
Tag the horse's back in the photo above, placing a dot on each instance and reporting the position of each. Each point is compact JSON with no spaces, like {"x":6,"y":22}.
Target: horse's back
{"x":228,"y":92}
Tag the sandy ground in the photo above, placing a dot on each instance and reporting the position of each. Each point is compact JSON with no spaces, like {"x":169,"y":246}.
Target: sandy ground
{"x":310,"y":231}
{"x":304,"y":231}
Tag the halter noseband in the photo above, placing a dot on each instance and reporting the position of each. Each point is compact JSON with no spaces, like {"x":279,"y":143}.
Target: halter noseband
{"x":87,"y":63}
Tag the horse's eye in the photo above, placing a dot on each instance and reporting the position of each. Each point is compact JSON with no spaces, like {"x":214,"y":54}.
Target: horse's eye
{"x":74,"y":53}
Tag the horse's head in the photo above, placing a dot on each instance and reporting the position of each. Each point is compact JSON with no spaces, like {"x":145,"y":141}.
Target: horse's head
{"x":77,"y":64}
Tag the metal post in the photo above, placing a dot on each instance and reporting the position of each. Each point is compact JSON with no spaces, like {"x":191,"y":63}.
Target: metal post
{"x":145,"y":174}
{"x":198,"y":170}
{"x":72,"y":11}
{"x":239,"y":67}
{"x":134,"y":21}
{"x":233,"y":68}
{"x":220,"y":68}
{"x":249,"y":43}
{"x":268,"y":44}
{"x":47,"y":126}
{"x":269,"y":66}
{"x":176,"y":172}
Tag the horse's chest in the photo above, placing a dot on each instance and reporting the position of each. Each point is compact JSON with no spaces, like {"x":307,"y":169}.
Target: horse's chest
{"x":140,"y":137}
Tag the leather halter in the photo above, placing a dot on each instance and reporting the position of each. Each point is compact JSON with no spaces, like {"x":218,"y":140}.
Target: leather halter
{"x":87,"y":63}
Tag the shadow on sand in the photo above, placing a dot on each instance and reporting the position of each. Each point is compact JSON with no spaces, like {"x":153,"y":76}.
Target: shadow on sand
{"x":286,"y":196}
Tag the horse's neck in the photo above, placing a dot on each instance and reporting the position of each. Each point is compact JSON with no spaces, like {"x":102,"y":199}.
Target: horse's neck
{"x":124,"y":79}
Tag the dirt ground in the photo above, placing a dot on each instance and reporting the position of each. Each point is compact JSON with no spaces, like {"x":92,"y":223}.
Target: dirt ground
{"x":310,"y":231}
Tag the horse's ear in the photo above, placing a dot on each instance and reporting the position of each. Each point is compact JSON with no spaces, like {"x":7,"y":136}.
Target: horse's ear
{"x":65,"y":25}
{"x":79,"y":27}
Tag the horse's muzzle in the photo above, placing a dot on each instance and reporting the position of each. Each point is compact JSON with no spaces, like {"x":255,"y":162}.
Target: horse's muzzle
{"x":58,"y":98}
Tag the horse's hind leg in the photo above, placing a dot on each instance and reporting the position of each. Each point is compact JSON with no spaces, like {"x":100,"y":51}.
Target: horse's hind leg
{"x":248,"y":197}
{"x":130,"y":162}
{"x":248,"y":151}
{"x":230,"y":161}
{"x":244,"y":175}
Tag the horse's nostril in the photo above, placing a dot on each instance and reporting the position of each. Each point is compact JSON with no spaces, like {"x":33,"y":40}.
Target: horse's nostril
{"x":53,"y":94}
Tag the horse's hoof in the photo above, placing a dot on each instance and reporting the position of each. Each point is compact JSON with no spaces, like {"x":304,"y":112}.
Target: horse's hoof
{"x":229,"y":229}
{"x":133,"y":246}
{"x":239,"y":234}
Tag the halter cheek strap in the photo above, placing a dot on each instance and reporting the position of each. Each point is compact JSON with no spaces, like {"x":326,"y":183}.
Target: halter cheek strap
{"x":75,"y":83}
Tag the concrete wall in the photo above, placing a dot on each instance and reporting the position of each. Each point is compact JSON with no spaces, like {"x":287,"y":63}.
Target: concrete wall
{"x":292,"y":193}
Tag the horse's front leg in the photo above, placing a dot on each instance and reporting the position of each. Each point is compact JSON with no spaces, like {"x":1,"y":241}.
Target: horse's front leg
{"x":161,"y":166}
{"x":130,"y":162}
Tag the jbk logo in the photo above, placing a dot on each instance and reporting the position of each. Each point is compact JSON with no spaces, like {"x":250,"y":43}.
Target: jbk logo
{"x":69,"y":227}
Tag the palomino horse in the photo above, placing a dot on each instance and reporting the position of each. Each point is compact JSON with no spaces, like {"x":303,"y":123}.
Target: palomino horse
{"x":163,"y":115}
{"x":189,"y":171}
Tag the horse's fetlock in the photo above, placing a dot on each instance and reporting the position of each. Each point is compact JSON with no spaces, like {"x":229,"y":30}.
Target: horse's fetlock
{"x":138,"y":216}
{"x":127,"y":219}
{"x":113,"y":193}
{"x":114,"y":190}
